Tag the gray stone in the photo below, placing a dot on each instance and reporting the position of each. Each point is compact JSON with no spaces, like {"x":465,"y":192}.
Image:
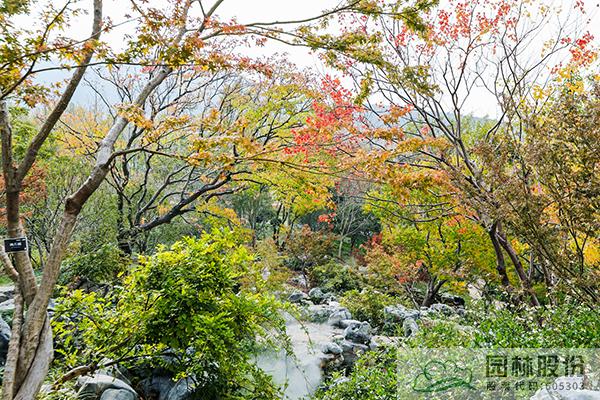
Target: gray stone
{"x":358,"y":333}
{"x":348,"y":322}
{"x":7,"y":306}
{"x":351,"y":351}
{"x":156,"y":387}
{"x":453,"y":300}
{"x":117,"y":394}
{"x":410,"y":327}
{"x":4,"y":339}
{"x":442,"y":309}
{"x":92,"y":387}
{"x":398,"y":313}
{"x":332,"y":348}
{"x":320,"y":313}
{"x":338,"y":316}
{"x":183,"y":390}
{"x":113,"y":370}
{"x":299,"y":280}
{"x":297,"y":297}
{"x":6,"y":292}
{"x":316,"y":295}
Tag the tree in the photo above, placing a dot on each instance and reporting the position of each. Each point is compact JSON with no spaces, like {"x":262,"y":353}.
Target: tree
{"x":425,"y":84}
{"x":166,"y":40}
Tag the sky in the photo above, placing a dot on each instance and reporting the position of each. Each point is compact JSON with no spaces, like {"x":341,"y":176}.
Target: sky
{"x":246,"y":11}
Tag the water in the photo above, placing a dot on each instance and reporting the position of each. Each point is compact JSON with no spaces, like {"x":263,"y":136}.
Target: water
{"x":300,"y":375}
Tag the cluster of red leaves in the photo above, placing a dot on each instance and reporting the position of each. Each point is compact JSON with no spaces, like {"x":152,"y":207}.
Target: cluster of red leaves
{"x":582,"y":53}
{"x":328,"y":128}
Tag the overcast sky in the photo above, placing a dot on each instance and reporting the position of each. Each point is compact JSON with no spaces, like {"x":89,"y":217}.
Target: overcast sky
{"x":246,"y":11}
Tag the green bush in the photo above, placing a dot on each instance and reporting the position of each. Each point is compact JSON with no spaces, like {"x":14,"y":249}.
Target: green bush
{"x":564,"y":326}
{"x":367,"y":305}
{"x":101,"y":266}
{"x":182,"y":309}
{"x":374,"y":377}
{"x":333,"y":277}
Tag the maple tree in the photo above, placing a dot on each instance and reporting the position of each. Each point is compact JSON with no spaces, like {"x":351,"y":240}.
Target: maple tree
{"x":165,"y":41}
{"x":418,"y":87}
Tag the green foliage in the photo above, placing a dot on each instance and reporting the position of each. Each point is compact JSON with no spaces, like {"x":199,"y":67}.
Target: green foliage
{"x":334,"y":277}
{"x":374,"y":377}
{"x":367,"y":305}
{"x":104,"y":265}
{"x":441,"y":333}
{"x":185,"y":310}
{"x":564,"y":326}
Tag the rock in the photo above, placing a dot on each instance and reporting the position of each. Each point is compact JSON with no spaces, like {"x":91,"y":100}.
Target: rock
{"x":183,"y":390}
{"x":351,"y":351}
{"x":4,"y":339}
{"x":113,"y":370}
{"x":547,"y":393}
{"x":398,"y":313}
{"x":92,"y":387}
{"x":117,"y":394}
{"x":6,"y":292}
{"x":299,"y":280}
{"x":156,"y":387}
{"x":348,"y":322}
{"x":358,"y":333}
{"x":7,"y":306}
{"x":316,"y":295}
{"x":339,"y":315}
{"x":442,"y":308}
{"x":410,"y":327}
{"x":452,"y":300}
{"x":332,"y":348}
{"x":297,"y":297}
{"x":319,"y":313}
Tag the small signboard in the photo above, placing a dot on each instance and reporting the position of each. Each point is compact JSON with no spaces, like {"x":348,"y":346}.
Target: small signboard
{"x":15,"y":244}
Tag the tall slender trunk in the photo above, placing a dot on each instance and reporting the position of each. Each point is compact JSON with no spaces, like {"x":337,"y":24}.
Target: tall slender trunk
{"x":514,"y":257}
{"x":500,"y":262}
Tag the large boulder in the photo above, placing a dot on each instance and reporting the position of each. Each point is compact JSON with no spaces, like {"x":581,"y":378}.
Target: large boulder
{"x":4,"y":339}
{"x":6,"y":292}
{"x":338,"y":316}
{"x":117,"y":394}
{"x":442,"y":309}
{"x":358,"y":333}
{"x":92,"y":387}
{"x":297,"y":297}
{"x":317,"y":295}
{"x":396,"y":314}
{"x":332,"y":348}
{"x":452,"y":300}
{"x":156,"y":387}
{"x":410,"y":327}
{"x":184,"y":389}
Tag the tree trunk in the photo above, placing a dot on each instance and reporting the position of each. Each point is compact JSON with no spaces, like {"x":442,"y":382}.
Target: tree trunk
{"x":514,"y":257}
{"x":500,"y":262}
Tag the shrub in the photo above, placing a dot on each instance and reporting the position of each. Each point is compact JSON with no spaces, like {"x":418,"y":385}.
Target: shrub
{"x":374,"y":377}
{"x":101,"y":266}
{"x":334,"y":277}
{"x":564,"y":326}
{"x":367,"y":305}
{"x":184,"y":309}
